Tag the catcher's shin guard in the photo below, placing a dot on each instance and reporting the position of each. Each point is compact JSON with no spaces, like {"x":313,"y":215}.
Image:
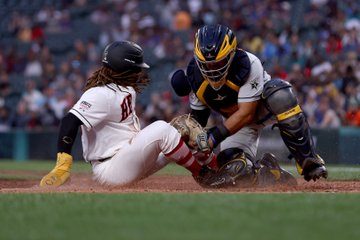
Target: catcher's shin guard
{"x":294,"y":129}
{"x":270,"y":173}
{"x":296,"y":134}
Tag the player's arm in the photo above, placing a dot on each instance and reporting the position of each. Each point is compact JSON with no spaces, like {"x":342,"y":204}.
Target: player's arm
{"x":242,"y":117}
{"x":201,"y":116}
{"x":248,"y":99}
{"x":67,"y":133}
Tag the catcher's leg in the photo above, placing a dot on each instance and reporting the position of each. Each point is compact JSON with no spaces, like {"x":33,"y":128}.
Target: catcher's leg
{"x":294,"y":129}
{"x":234,"y":170}
{"x":270,"y":173}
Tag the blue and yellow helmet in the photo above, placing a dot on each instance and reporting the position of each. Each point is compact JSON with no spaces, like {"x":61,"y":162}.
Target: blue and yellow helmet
{"x":214,"y":51}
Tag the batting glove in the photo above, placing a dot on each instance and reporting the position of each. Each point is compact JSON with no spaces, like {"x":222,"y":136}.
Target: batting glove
{"x":60,"y":173}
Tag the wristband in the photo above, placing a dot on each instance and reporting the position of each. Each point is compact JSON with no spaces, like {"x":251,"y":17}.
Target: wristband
{"x":218,"y":134}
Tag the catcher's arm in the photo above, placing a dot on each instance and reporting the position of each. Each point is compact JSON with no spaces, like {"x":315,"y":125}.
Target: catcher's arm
{"x":202,"y":116}
{"x":243,"y":116}
{"x":61,"y":172}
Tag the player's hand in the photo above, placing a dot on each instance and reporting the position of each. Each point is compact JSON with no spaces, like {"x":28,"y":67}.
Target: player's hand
{"x":203,"y":143}
{"x":193,"y":134}
{"x":60,"y":173}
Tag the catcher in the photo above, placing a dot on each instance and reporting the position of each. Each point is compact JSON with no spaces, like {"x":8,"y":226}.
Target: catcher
{"x":119,"y":151}
{"x":232,"y":82}
{"x":230,"y":168}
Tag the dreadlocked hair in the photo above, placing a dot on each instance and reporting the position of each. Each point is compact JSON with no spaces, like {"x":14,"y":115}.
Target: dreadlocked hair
{"x":135,"y":78}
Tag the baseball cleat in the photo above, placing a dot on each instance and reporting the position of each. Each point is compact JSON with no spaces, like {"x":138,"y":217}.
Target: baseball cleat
{"x":281,"y":175}
{"x":316,"y":173}
{"x":314,"y":169}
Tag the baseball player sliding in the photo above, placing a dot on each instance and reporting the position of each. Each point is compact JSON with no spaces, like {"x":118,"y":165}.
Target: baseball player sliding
{"x":119,"y":151}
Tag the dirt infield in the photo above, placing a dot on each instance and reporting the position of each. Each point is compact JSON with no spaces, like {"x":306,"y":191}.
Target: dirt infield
{"x":160,"y":183}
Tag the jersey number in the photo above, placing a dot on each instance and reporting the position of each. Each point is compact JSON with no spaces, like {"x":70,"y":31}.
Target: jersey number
{"x":126,"y":108}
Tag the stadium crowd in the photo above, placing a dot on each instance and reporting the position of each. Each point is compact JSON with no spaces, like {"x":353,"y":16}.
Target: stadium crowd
{"x":313,"y":44}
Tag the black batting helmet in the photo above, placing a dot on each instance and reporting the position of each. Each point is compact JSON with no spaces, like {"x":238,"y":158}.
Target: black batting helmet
{"x":214,"y":50}
{"x":123,"y":55}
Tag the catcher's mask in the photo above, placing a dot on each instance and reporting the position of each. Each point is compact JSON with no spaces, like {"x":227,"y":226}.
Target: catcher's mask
{"x":214,"y":51}
{"x":123,"y":56}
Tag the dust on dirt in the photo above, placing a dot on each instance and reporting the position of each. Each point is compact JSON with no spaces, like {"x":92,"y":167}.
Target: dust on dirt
{"x":82,"y":182}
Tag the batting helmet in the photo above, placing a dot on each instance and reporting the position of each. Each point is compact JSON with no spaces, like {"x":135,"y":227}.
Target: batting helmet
{"x":214,"y":50}
{"x":123,"y":55}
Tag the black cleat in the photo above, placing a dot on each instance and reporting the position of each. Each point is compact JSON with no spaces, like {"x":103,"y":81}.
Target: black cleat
{"x":235,"y":173}
{"x":314,"y":169}
{"x":279,"y":174}
{"x":316,"y":173}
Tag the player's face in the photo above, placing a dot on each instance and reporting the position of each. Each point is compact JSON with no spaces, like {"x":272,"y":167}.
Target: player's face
{"x":216,"y":85}
{"x":215,"y":71}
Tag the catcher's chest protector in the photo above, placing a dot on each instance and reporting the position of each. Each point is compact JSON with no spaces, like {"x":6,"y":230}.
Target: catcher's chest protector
{"x":224,"y":100}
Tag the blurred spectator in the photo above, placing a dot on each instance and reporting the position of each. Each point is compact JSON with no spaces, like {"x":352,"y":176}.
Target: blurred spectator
{"x":33,"y":66}
{"x":13,"y":62}
{"x":32,"y":97}
{"x":313,"y":44}
{"x":352,"y":117}
{"x":310,"y":106}
{"x":297,"y":78}
{"x":37,"y":34}
{"x":182,"y":21}
{"x":352,"y":95}
{"x":93,"y":52}
{"x":21,"y":116}
{"x":325,"y":116}
{"x":8,"y":98}
{"x":349,"y":78}
{"x":48,"y":118}
{"x":4,"y":119}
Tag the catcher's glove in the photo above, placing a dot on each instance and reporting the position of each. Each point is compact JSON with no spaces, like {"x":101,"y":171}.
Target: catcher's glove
{"x":192,"y":133}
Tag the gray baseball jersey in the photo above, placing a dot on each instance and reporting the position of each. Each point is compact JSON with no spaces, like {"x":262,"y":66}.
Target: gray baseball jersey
{"x":246,"y":138}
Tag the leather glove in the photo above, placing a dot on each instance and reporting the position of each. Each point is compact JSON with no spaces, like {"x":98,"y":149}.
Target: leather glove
{"x":192,"y":133}
{"x":60,"y":173}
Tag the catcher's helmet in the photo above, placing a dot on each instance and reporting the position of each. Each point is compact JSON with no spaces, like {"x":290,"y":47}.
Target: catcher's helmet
{"x":123,"y":55}
{"x":214,"y":50}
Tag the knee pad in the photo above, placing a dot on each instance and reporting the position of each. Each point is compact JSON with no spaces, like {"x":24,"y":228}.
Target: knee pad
{"x":294,"y":128}
{"x":279,"y":91}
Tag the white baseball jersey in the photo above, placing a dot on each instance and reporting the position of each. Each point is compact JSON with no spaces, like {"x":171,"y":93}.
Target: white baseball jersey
{"x":110,"y":121}
{"x":111,"y":132}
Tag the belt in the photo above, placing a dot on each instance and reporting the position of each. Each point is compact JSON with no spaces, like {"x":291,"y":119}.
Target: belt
{"x":100,"y":160}
{"x":104,"y":159}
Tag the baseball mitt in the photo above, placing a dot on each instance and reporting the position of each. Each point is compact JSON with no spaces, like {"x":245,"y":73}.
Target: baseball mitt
{"x":192,"y":133}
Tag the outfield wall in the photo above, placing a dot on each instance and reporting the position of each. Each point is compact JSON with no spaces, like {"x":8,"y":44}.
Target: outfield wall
{"x":339,"y":146}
